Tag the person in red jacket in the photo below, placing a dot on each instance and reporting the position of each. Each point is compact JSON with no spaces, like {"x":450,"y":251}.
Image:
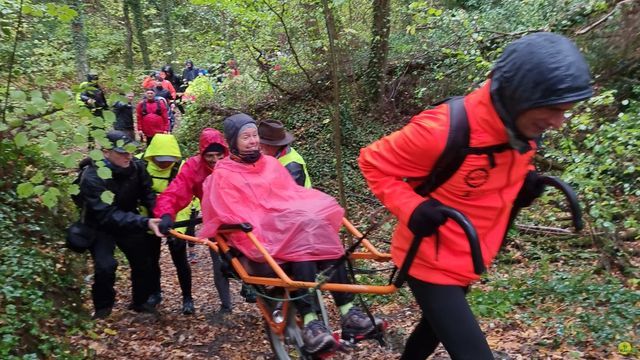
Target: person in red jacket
{"x":152,"y":116}
{"x":533,"y":83}
{"x":186,"y":185}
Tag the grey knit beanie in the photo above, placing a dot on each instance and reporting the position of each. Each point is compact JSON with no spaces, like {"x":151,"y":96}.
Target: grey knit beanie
{"x":232,"y":126}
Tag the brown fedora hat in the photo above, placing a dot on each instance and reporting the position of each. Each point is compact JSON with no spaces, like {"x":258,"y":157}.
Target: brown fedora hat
{"x":272,"y":132}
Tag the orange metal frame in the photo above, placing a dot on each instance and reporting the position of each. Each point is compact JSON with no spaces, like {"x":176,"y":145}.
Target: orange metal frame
{"x":282,"y":279}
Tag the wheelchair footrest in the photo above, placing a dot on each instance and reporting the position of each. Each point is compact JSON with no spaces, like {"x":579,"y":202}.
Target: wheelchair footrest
{"x":376,"y":333}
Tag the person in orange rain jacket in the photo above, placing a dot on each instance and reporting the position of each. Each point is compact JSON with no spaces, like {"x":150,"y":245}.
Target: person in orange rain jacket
{"x":533,"y":83}
{"x":149,"y":82}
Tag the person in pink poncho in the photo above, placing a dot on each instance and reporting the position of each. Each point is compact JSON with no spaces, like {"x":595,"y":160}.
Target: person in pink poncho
{"x":298,"y":226}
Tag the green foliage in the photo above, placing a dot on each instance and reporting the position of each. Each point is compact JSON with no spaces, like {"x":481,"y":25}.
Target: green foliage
{"x":39,"y":288}
{"x":597,"y":151}
{"x":579,"y":307}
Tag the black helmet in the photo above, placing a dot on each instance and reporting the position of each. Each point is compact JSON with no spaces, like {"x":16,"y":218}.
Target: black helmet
{"x":168,"y":70}
{"x":91,"y":77}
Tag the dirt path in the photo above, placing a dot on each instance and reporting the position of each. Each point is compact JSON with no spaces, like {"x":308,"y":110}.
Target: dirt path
{"x":205,"y":335}
{"x":240,"y":335}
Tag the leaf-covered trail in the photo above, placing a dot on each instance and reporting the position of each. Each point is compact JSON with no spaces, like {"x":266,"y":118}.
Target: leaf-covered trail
{"x":240,"y":335}
{"x":205,"y":335}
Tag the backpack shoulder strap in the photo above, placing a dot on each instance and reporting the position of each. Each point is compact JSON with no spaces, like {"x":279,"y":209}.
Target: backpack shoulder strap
{"x":455,"y":151}
{"x":174,"y":172}
{"x":158,"y":100}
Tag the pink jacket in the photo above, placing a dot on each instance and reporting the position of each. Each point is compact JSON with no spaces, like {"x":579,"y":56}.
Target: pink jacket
{"x":188,"y":182}
{"x":292,"y":222}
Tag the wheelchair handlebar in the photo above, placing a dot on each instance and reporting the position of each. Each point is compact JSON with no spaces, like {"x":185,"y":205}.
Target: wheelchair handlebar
{"x":576,"y":212}
{"x":470,"y":233}
{"x":190,"y":222}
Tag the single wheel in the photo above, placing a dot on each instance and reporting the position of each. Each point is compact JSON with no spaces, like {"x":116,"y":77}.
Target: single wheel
{"x":289,"y":345}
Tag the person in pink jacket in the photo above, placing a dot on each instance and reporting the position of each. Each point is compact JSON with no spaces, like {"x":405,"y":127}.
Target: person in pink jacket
{"x":186,"y":185}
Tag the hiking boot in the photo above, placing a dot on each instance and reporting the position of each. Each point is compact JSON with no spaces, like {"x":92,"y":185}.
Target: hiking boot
{"x":144,"y":308}
{"x":192,"y":256}
{"x":501,"y":355}
{"x":187,"y":307}
{"x":356,"y":324}
{"x":101,"y":313}
{"x":219,"y":317}
{"x":248,"y":294}
{"x":318,"y":338}
{"x":155,"y":299}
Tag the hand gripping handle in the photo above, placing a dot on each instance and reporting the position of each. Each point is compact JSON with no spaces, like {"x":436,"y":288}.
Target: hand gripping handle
{"x":576,"y":212}
{"x":470,"y":233}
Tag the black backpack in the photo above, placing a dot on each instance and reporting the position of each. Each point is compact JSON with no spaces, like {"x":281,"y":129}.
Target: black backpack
{"x":144,"y":107}
{"x":82,"y":167}
{"x":456,"y":149}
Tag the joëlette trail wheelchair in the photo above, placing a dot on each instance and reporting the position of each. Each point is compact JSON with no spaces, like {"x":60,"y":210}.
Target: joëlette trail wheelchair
{"x":275,"y":287}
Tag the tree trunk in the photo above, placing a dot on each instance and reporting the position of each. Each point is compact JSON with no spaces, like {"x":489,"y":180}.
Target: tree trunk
{"x":335,"y":108}
{"x":128,"y":43}
{"x":165,"y":13}
{"x":375,"y":80}
{"x":10,"y":64}
{"x":80,"y":41}
{"x":138,"y":21}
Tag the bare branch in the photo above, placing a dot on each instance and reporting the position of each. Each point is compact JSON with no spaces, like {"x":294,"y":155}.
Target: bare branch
{"x":602,"y":19}
{"x":38,"y":116}
{"x":286,"y":33}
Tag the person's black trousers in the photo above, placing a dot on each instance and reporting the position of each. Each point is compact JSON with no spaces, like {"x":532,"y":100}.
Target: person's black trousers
{"x":178,"y":251}
{"x":447,"y":319}
{"x":220,"y":280}
{"x":307,"y":271}
{"x":135,"y":250}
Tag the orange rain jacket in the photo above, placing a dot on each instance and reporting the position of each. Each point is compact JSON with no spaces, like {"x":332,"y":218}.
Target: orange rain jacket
{"x":483,"y":193}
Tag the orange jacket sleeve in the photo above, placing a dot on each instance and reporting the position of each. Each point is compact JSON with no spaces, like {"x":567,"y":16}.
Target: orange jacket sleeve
{"x":147,"y":83}
{"x":167,"y":85}
{"x":409,"y":152}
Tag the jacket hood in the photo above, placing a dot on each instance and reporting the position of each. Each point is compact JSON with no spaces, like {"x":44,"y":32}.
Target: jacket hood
{"x":210,"y":136}
{"x":538,"y":70}
{"x":163,"y":145}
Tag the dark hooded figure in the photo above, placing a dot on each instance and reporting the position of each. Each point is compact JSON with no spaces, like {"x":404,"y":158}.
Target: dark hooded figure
{"x":534,"y":82}
{"x":189,"y":72}
{"x":92,"y":96}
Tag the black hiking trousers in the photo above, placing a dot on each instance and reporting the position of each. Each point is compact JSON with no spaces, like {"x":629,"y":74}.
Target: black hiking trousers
{"x":307,"y":271}
{"x":104,"y":263}
{"x":178,"y":251}
{"x":447,"y":319}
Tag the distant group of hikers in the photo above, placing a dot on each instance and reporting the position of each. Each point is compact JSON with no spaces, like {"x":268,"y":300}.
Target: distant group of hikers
{"x":163,"y":92}
{"x":250,"y":173}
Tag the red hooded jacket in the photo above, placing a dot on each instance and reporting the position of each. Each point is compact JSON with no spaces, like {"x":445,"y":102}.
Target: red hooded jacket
{"x":484,"y":193}
{"x":152,"y":123}
{"x":188,"y":182}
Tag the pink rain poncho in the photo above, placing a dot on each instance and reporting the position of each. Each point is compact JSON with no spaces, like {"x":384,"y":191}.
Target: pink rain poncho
{"x":292,"y":222}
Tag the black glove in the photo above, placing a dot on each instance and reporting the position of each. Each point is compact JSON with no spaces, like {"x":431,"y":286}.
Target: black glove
{"x":426,"y":218}
{"x":165,"y":224}
{"x":531,"y":190}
